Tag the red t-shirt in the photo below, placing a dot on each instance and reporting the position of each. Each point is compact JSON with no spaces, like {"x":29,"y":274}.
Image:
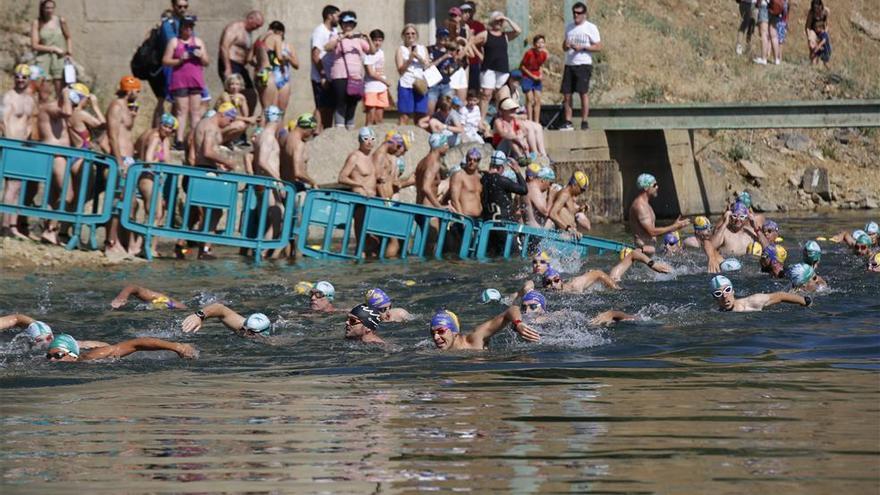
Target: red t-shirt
{"x":477,"y":27}
{"x":532,"y":61}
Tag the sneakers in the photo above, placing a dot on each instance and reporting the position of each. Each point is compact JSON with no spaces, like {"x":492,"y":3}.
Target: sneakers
{"x":778,"y":61}
{"x":566,"y":126}
{"x":739,"y":49}
{"x":585,"y":125}
{"x":760,"y":61}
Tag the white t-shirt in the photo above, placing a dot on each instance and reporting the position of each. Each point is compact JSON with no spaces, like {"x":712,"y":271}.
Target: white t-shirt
{"x":320,"y":37}
{"x":470,"y":118}
{"x":377,"y":62}
{"x":584,"y":34}
{"x":415,"y":69}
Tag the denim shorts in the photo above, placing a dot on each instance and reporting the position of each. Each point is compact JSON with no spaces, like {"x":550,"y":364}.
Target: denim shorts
{"x":438,"y":90}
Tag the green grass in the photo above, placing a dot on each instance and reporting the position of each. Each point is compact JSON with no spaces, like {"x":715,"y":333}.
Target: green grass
{"x":651,"y":93}
{"x":739,"y":151}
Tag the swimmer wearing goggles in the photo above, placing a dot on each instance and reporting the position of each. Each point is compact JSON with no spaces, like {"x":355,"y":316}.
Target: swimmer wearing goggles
{"x":39,"y":335}
{"x":156,"y":300}
{"x":722,"y":291}
{"x":362,"y":324}
{"x":65,"y":348}
{"x":321,"y":297}
{"x":734,"y":234}
{"x":256,"y":327}
{"x":379,"y":300}
{"x":804,"y":277}
{"x":540,"y":262}
{"x":446,"y":330}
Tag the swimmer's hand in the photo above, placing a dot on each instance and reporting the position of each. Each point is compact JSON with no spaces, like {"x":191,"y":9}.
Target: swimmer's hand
{"x":682,"y":222}
{"x":526,"y":332}
{"x":191,"y":324}
{"x":118,"y":302}
{"x":660,"y":267}
{"x":714,"y":266}
{"x":609,"y":317}
{"x":186,"y":351}
{"x":528,"y":286}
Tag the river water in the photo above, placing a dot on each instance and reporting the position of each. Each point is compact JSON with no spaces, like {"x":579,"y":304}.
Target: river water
{"x":686,"y":400}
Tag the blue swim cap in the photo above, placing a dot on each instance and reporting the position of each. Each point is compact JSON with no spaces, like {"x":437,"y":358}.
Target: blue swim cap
{"x":745,"y":198}
{"x":812,"y":252}
{"x":731,"y":265}
{"x":872,"y":228}
{"x":66,"y":343}
{"x":377,"y":298}
{"x":645,"y":181}
{"x":509,"y":173}
{"x":671,"y":238}
{"x":490,"y":295}
{"x":326,"y":288}
{"x":770,"y":224}
{"x":863,"y":240}
{"x":550,"y":273}
{"x":37,"y":330}
{"x":169,"y":120}
{"x":258,"y":323}
{"x":446,"y":319}
{"x":776,"y":253}
{"x":547,"y":173}
{"x":499,"y":159}
{"x":366,"y":133}
{"x":739,"y":209}
{"x":475,"y":153}
{"x":719,"y":282}
{"x":534,"y":296}
{"x":800,"y":274}
{"x":273,"y":113}
{"x":858,"y":233}
{"x":437,"y":140}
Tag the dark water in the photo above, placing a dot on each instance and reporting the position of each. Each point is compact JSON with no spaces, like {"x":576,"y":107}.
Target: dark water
{"x":686,"y":400}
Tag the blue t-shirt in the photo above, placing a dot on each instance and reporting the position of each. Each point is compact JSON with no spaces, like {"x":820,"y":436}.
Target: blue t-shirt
{"x":447,"y":67}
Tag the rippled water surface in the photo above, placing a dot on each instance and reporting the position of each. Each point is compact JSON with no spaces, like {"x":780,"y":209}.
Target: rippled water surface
{"x":686,"y":400}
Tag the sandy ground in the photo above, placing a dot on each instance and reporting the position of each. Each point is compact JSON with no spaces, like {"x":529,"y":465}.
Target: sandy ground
{"x":20,"y":254}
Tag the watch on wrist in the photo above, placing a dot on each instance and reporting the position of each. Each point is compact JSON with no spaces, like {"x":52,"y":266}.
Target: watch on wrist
{"x":516,"y":323}
{"x":201,"y":315}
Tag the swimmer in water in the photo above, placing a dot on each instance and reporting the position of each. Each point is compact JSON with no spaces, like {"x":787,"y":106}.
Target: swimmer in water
{"x":321,"y":297}
{"x":863,"y":245}
{"x":255,"y":327}
{"x":534,"y":307}
{"x":812,"y":254}
{"x":378,"y":299}
{"x":773,"y":260}
{"x":446,"y":331}
{"x":642,"y":219}
{"x":872,"y":230}
{"x":362,"y":324}
{"x":65,"y":348}
{"x":672,"y":243}
{"x":874,"y":263}
{"x":768,"y":233}
{"x":804,"y":277}
{"x":733,"y":236}
{"x":552,"y":280}
{"x":540,"y":262}
{"x":39,"y":334}
{"x":157,"y":300}
{"x":722,"y":291}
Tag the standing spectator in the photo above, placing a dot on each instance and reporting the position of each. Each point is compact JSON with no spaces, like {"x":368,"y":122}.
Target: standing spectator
{"x":235,"y":48}
{"x":187,"y":57}
{"x":347,"y":72}
{"x":817,"y":21}
{"x":782,"y":26}
{"x":50,"y":39}
{"x":411,"y":59}
{"x":275,"y":58}
{"x":747,"y":15}
{"x":442,"y":57}
{"x":321,"y":61}
{"x":475,"y":27}
{"x":458,"y":81}
{"x":168,"y":30}
{"x":532,"y":84}
{"x":581,"y":41}
{"x":822,"y":51}
{"x":769,"y":14}
{"x":18,"y":118}
{"x":376,"y":88}
{"x":495,"y":68}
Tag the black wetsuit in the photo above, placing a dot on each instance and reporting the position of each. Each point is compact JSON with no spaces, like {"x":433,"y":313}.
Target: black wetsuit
{"x":496,"y":195}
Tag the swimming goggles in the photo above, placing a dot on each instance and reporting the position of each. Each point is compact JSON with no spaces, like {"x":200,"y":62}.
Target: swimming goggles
{"x":529,"y":307}
{"x":56,"y":355}
{"x":720,"y":292}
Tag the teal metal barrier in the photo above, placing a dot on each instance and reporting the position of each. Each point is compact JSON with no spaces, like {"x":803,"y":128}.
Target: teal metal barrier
{"x":523,"y":240}
{"x":239,"y":197}
{"x":336,"y":212}
{"x":32,"y":164}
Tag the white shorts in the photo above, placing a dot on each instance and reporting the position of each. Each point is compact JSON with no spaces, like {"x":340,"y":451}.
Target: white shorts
{"x":459,"y":79}
{"x":489,"y":79}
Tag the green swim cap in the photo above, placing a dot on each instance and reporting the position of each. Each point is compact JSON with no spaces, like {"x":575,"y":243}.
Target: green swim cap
{"x":800,"y":274}
{"x":745,"y":198}
{"x":812,"y":252}
{"x":864,"y":240}
{"x":719,"y":281}
{"x":645,"y":181}
{"x":66,"y":343}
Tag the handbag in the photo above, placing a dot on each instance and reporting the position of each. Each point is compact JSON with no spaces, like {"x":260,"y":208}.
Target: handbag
{"x":420,"y":86}
{"x":353,"y":87}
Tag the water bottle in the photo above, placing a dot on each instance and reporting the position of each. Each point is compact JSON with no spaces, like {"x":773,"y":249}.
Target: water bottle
{"x":69,"y":72}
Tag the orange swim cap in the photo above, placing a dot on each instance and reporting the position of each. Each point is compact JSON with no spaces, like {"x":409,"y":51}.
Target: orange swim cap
{"x":129,"y":83}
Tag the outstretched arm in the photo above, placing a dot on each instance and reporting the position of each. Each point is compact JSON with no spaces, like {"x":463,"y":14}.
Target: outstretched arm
{"x":142,"y":293}
{"x":91,"y":344}
{"x":621,"y":268}
{"x":612,"y":316}
{"x":481,"y":335}
{"x":228,"y":317}
{"x":584,"y":281}
{"x":787,"y":297}
{"x":15,"y":321}
{"x":140,"y":344}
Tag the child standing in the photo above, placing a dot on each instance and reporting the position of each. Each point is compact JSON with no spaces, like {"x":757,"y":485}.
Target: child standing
{"x":532,"y":84}
{"x":376,"y":86}
{"x":822,"y":51}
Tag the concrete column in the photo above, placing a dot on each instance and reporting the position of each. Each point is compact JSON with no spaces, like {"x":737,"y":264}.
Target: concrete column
{"x":518,"y":11}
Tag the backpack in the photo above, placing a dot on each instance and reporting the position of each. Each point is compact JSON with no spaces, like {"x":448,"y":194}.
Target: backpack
{"x":147,"y":59}
{"x":776,"y":7}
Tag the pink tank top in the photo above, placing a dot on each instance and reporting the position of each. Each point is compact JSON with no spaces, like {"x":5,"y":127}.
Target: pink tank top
{"x":190,"y":74}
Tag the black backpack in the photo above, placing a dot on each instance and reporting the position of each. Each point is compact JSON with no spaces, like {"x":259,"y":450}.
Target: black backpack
{"x":147,"y":59}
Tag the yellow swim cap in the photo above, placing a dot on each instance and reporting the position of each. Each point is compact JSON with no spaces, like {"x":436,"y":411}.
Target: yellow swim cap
{"x":820,"y":238}
{"x":160,"y":302}
{"x":781,"y":254}
{"x":228,"y":109}
{"x":542,"y":255}
{"x":23,"y":69}
{"x":409,"y":283}
{"x":625,"y":252}
{"x":580,"y":178}
{"x":702,"y":223}
{"x":302,"y":287}
{"x":778,"y":239}
{"x":755,"y":248}
{"x":876,"y":258}
{"x":80,"y":88}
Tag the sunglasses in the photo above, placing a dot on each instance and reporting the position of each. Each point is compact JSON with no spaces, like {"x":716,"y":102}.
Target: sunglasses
{"x":56,"y":355}
{"x":439,"y":331}
{"x":529,"y":307}
{"x":182,"y":6}
{"x":551,"y":281}
{"x":767,"y":231}
{"x":385,"y":309}
{"x":578,"y":12}
{"x":720,"y":292}
{"x":354,"y":321}
{"x":21,"y":77}
{"x":741,"y":218}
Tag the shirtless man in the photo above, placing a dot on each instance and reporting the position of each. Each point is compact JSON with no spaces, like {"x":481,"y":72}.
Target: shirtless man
{"x":428,"y":172}
{"x":235,"y":48}
{"x":446,"y":331}
{"x":120,"y":121}
{"x":565,"y":213}
{"x":722,"y":291}
{"x":703,"y":239}
{"x":377,"y":298}
{"x":267,"y":163}
{"x":208,"y":136}
{"x":466,"y":190}
{"x":256,"y":327}
{"x":553,"y":280}
{"x":642,"y":220}
{"x":384,"y":160}
{"x":294,"y":159}
{"x":538,"y":179}
{"x":19,"y":107}
{"x":362,"y":324}
{"x":66,"y":349}
{"x":359,"y":171}
{"x":732,"y":237}
{"x":52,"y":123}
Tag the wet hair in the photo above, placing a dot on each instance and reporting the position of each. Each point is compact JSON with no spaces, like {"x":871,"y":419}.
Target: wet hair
{"x":233,"y":78}
{"x":538,"y":37}
{"x":377,"y":34}
{"x":276,"y":26}
{"x":328,"y":10}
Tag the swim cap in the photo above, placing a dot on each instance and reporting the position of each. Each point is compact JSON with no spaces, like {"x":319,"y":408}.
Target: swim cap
{"x":550,"y":273}
{"x":499,"y":159}
{"x":36,"y":330}
{"x":162,"y":302}
{"x":645,"y":181}
{"x":326,"y":288}
{"x":305,"y":121}
{"x":454,"y":169}
{"x":210,"y":113}
{"x":509,"y":173}
{"x":437,"y":140}
{"x":812,"y":252}
{"x":258,"y":323}
{"x":755,"y":248}
{"x":858,"y":233}
{"x":770,"y":224}
{"x":863,"y":240}
{"x":719,"y":281}
{"x":490,"y":295}
{"x":227,"y":110}
{"x":366,"y":133}
{"x":475,"y":153}
{"x":731,"y":265}
{"x":169,"y":120}
{"x":872,"y":228}
{"x":739,"y":209}
{"x":541,"y":255}
{"x":23,"y":70}
{"x":273,"y":113}
{"x":625,"y":252}
{"x":875,"y":259}
{"x":377,"y":298}
{"x":129,"y":83}
{"x":534,"y":296}
{"x":800,"y":274}
{"x":401,"y":165}
{"x":302,"y":287}
{"x":368,"y":316}
{"x":446,"y":319}
{"x":394,"y":137}
{"x":66,"y":343}
{"x":533,"y":170}
{"x":547,"y":173}
{"x":78,"y":92}
{"x":579,"y":178}
{"x":702,"y":223}
{"x":775,"y":252}
{"x":745,"y":198}
{"x":37,"y":73}
{"x":671,"y":238}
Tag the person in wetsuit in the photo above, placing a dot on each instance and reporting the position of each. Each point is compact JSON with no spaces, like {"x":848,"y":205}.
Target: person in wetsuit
{"x":497,"y":203}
